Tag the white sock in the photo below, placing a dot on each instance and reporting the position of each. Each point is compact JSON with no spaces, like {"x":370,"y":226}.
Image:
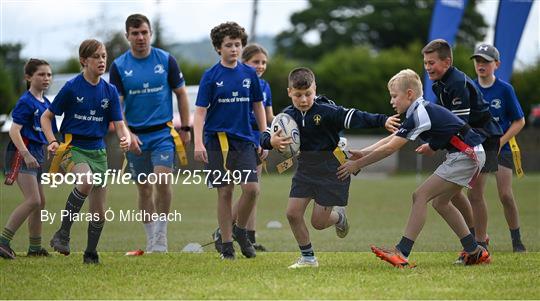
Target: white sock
{"x":149,"y":228}
{"x":161,"y":227}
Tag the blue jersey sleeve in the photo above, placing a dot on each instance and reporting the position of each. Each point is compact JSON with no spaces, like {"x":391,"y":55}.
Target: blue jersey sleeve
{"x":22,"y":113}
{"x":175,"y":78}
{"x":356,"y":119}
{"x":256,"y":93}
{"x":267,"y":94}
{"x":205,"y":91}
{"x":513,"y":108}
{"x":114,"y":79}
{"x":460,"y":101}
{"x":115,"y":113}
{"x":61,"y":101}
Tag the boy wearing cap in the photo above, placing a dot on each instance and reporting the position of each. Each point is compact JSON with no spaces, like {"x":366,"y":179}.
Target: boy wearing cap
{"x":458,"y":93}
{"x":505,"y":108}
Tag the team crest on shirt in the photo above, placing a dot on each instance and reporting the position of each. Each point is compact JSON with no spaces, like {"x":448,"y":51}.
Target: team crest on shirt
{"x":105,"y":103}
{"x":80,"y":99}
{"x":92,"y":112}
{"x":159,"y":69}
{"x":219,"y":84}
{"x":496,"y":103}
{"x":128,"y":73}
{"x":317,"y":118}
{"x":246,"y":83}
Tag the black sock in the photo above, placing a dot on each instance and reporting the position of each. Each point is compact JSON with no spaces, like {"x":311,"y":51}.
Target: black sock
{"x":468,"y":243}
{"x":73,"y":205}
{"x":405,"y":246}
{"x":307,"y":250}
{"x":516,"y":236}
{"x":94,"y":232}
{"x":472,"y":231}
{"x":227,"y":247}
{"x":251,"y":236}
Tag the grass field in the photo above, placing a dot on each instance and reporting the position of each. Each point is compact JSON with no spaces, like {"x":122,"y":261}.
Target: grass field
{"x":378,"y":209}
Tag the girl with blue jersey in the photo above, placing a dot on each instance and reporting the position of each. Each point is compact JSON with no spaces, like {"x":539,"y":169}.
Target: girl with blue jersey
{"x":255,"y":56}
{"x":228,"y":92}
{"x":89,"y":104}
{"x":25,"y":156}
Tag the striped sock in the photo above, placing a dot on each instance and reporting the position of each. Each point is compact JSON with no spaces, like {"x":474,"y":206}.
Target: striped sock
{"x":6,"y":236}
{"x":35,"y":244}
{"x":73,"y":205}
{"x":307,"y":252}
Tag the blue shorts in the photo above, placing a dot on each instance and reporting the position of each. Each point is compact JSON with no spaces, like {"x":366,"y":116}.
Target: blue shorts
{"x":157,"y":150}
{"x":35,"y":149}
{"x":320,"y":184}
{"x":241,"y":162}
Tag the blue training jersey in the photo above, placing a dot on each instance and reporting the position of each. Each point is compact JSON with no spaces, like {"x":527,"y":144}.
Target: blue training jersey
{"x":27,"y":112}
{"x":503,"y":105}
{"x":146,"y":85}
{"x":436,"y":125}
{"x":267,"y":102}
{"x":228,"y":94}
{"x":87,"y":110}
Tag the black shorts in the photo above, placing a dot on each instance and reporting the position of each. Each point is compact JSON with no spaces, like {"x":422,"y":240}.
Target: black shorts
{"x":241,"y":162}
{"x":507,"y":160}
{"x":491,"y":147}
{"x":326,"y":189}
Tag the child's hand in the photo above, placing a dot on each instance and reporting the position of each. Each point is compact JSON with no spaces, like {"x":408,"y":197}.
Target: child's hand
{"x":355,"y":154}
{"x":279,"y":142}
{"x":346,"y":169}
{"x":392,"y":123}
{"x":263,"y":153}
{"x":29,"y":160}
{"x":135,"y":144}
{"x":52,"y":147}
{"x":425,"y":150}
{"x":200,"y":153}
{"x":125,"y":143}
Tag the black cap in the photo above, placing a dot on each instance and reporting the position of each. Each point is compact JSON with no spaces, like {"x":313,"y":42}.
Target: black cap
{"x":486,"y":52}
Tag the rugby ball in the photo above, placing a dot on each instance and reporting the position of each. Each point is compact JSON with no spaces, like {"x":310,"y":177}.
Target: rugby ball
{"x":289,"y":128}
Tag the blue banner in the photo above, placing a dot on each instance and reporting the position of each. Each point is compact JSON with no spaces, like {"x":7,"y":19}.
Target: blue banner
{"x":511,"y":18}
{"x":445,"y":22}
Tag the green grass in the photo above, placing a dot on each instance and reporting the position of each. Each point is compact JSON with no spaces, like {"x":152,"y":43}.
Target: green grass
{"x":378,"y":210}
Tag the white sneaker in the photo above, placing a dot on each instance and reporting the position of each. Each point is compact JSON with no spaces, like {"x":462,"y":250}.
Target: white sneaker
{"x":342,"y":228}
{"x":304,"y":263}
{"x":160,"y":242}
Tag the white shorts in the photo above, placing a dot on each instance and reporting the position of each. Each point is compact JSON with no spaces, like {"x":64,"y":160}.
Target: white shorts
{"x":460,"y":169}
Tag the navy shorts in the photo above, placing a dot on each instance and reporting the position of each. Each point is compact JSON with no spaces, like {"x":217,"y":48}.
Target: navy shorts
{"x":491,"y":147}
{"x":506,"y":159}
{"x":321,"y":185}
{"x":241,"y":164}
{"x":35,"y":149}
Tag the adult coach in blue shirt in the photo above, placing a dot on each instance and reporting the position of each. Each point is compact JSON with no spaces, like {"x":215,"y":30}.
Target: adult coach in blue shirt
{"x":145,"y":77}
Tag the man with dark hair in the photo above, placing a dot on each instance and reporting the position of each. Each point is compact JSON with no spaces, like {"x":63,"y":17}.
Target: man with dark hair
{"x":146,"y":77}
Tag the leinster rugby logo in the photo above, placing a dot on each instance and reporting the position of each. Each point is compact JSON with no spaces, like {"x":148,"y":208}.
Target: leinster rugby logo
{"x":159,"y":69}
{"x":246,"y":83}
{"x":104,"y":103}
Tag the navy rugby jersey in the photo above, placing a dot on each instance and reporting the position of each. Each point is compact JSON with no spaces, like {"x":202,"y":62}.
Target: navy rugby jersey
{"x":228,"y":94}
{"x":503,"y":104}
{"x":87,"y":110}
{"x":146,"y":85}
{"x":457,"y":92}
{"x":436,"y":125}
{"x":320,"y":126}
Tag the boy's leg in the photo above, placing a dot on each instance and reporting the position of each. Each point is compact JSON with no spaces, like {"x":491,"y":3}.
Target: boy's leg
{"x":224,"y":212}
{"x":295,"y":215}
{"x":145,"y":203}
{"x":462,"y":203}
{"x":323,"y":217}
{"x":246,"y":204}
{"x":479,"y":206}
{"x":511,"y":213}
{"x":96,"y":206}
